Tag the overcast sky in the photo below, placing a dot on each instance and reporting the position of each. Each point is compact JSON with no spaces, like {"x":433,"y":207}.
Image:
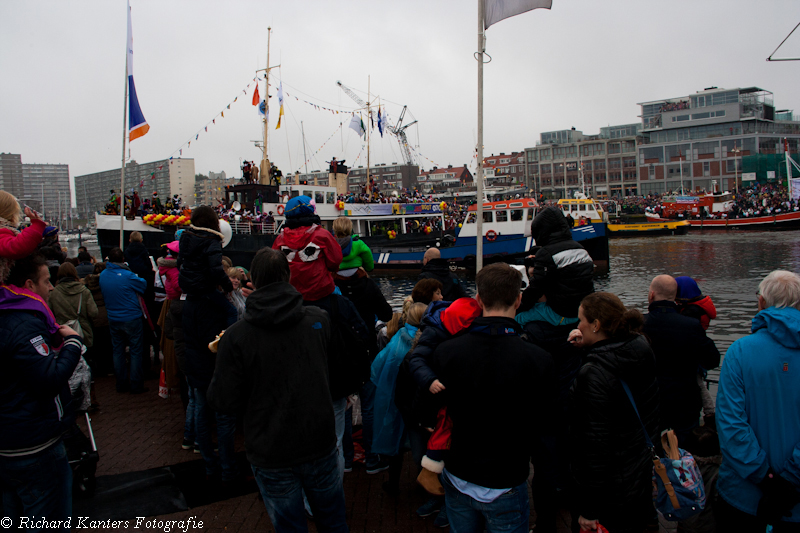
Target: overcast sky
{"x":585,"y":63}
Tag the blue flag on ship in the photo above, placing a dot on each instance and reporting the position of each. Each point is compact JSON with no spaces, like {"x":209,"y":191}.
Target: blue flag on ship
{"x":137,"y":125}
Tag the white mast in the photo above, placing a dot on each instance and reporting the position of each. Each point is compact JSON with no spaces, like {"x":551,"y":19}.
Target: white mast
{"x":479,"y":173}
{"x":124,"y":139}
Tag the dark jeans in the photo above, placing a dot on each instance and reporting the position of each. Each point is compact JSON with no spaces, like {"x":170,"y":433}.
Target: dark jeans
{"x":282,"y":490}
{"x":127,"y":333}
{"x":508,"y":513}
{"x":37,"y":486}
{"x":367,"y":396}
{"x":729,"y":518}
{"x":226,"y":429}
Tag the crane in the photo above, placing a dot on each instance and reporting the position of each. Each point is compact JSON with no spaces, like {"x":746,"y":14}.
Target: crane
{"x":398,"y":131}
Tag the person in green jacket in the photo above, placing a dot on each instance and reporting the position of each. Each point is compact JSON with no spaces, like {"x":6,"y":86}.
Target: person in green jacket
{"x":72,"y":299}
{"x":355,"y":253}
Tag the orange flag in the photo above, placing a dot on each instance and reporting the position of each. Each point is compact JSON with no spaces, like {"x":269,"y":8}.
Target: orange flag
{"x":256,"y":99}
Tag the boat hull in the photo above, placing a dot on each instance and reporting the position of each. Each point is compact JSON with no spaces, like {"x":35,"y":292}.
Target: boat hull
{"x":782,"y":221}
{"x":403,"y":253}
{"x":650,"y":229}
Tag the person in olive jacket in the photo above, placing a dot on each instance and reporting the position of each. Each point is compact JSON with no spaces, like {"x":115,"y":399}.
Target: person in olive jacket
{"x":612,"y":464}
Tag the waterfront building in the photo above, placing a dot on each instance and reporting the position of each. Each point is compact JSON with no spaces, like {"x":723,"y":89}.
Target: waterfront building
{"x":389,"y":178}
{"x":450,"y":182}
{"x":46,"y":189}
{"x":11,"y":174}
{"x":210,"y":190}
{"x":167,"y":176}
{"x":727,"y":136}
{"x":504,"y":170}
{"x":606,"y":160}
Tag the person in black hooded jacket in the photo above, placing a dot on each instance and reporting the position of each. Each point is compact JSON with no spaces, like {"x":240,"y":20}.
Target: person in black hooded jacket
{"x":433,"y":266}
{"x":206,"y":312}
{"x":562,"y":270}
{"x":612,"y":465}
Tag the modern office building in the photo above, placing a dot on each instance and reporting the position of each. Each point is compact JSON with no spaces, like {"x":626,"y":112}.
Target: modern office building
{"x":714,"y":135}
{"x":168,"y":177}
{"x":11,"y":174}
{"x":46,"y":189}
{"x":606,"y":161}
{"x":388,"y":177}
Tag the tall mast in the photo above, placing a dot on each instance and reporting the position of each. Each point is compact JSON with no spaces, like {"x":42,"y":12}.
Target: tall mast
{"x":265,"y":167}
{"x":479,"y":173}
{"x":368,"y":117}
{"x":124,"y":138}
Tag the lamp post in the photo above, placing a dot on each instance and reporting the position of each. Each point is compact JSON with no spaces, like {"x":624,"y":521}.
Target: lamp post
{"x":736,"y":151}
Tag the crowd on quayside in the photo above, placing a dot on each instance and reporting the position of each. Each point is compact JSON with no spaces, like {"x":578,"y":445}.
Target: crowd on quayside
{"x":558,"y":388}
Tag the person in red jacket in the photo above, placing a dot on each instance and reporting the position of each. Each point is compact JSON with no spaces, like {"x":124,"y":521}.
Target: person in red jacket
{"x":15,"y":244}
{"x":313,"y":252}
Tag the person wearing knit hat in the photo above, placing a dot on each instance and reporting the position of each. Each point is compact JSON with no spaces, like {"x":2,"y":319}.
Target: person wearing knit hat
{"x":15,"y":244}
{"x":313,"y":253}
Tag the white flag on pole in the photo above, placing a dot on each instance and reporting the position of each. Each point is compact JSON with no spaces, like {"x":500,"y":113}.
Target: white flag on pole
{"x":357,"y":125}
{"x":497,"y":10}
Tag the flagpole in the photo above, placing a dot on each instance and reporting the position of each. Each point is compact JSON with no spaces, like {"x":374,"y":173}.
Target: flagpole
{"x":265,"y":167}
{"x":124,"y":138}
{"x":368,"y":122}
{"x":479,"y":174}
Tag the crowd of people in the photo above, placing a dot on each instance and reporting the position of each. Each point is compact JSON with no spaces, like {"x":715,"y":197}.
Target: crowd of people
{"x":134,"y":206}
{"x":556,"y":387}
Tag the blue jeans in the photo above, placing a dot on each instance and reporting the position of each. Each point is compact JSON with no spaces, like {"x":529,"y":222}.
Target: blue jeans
{"x":129,"y":333}
{"x":226,"y":428}
{"x":367,"y":396}
{"x":282,"y":490}
{"x":339,"y":410}
{"x":37,"y":486}
{"x":189,"y":432}
{"x":508,"y":514}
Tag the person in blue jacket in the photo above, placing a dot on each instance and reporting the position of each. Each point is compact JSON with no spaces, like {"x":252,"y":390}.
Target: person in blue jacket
{"x":121,"y":290}
{"x":35,"y":402}
{"x":758,"y":416}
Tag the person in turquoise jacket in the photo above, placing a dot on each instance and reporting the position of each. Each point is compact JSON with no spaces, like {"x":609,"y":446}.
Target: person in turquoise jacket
{"x":355,"y":252}
{"x":758,"y":416}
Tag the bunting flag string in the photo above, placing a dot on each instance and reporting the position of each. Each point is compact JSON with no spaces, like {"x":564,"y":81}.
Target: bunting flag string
{"x":213,"y":121}
{"x":418,"y":154}
{"x":320,"y":148}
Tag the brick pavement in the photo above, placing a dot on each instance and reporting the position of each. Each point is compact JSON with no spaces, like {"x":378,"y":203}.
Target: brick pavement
{"x":139,"y":432}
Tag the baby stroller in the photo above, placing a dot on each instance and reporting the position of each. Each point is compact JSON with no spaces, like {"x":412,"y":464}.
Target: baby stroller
{"x":81,"y":450}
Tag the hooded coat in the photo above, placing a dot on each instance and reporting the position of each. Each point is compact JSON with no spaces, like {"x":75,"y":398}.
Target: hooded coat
{"x":562,"y":269}
{"x":65,"y":300}
{"x":313,"y":255}
{"x":92,"y":282}
{"x":200,"y":262}
{"x":168,"y":270}
{"x":439,"y":269}
{"x":356,"y":253}
{"x":283,"y":392}
{"x":612,"y":465}
{"x":758,"y":409}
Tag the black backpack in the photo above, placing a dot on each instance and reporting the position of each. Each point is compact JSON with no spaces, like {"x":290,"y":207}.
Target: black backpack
{"x":348,"y":356}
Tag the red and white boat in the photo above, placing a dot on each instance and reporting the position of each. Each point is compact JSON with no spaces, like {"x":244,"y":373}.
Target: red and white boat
{"x":711,"y":211}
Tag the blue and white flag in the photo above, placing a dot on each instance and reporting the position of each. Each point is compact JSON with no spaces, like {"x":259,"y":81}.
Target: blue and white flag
{"x":137,"y":125}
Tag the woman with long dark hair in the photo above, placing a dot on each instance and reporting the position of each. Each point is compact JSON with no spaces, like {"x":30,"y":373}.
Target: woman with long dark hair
{"x":612,"y":464}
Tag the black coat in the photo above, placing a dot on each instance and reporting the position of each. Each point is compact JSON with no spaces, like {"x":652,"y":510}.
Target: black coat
{"x":562,"y":269}
{"x":612,"y":465}
{"x":369,"y":301}
{"x":272,"y":367}
{"x":200,"y":262}
{"x":500,"y":395}
{"x":452,"y":289}
{"x":681,"y":346}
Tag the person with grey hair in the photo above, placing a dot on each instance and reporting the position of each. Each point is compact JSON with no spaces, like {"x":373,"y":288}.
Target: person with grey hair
{"x":284,"y":396}
{"x":758,"y":416}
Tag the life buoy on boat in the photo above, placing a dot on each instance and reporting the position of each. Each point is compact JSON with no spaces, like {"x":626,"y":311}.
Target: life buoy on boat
{"x":280,"y":209}
{"x":491,"y":235}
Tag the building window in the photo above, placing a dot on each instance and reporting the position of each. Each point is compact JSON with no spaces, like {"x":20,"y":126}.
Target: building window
{"x":706,"y":168}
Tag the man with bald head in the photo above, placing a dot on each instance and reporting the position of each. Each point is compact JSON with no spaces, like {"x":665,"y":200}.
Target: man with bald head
{"x":434,"y":267}
{"x":681,"y":346}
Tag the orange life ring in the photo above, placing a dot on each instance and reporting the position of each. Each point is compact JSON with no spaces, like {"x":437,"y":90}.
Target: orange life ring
{"x":491,"y":235}
{"x":280,"y":209}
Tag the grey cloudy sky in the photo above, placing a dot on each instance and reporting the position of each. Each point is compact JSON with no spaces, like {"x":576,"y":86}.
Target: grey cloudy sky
{"x":585,"y":64}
